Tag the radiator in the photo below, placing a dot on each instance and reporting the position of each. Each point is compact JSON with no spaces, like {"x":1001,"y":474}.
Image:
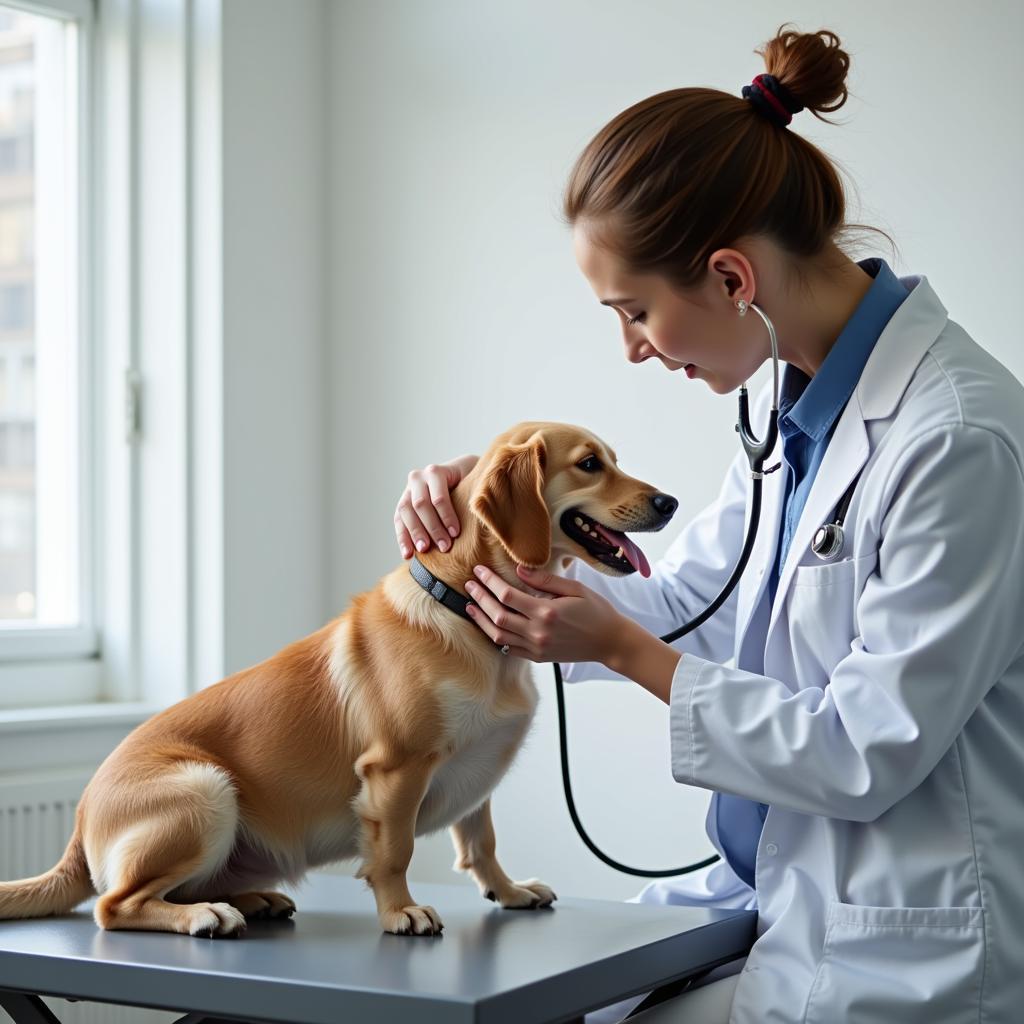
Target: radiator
{"x":37,"y":815}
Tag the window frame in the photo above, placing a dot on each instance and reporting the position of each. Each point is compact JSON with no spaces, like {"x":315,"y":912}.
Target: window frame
{"x":157,"y":308}
{"x":72,"y":10}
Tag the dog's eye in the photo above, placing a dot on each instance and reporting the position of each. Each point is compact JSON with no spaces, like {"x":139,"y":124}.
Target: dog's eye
{"x":591,"y":464}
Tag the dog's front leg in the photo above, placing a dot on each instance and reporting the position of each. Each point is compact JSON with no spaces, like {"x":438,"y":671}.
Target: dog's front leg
{"x":473,"y":837}
{"x":388,"y":804}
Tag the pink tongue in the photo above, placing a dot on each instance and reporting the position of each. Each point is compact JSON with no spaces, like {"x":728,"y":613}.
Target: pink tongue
{"x":634,"y":555}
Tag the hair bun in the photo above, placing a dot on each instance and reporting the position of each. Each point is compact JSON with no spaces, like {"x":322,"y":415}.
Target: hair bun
{"x":804,"y":69}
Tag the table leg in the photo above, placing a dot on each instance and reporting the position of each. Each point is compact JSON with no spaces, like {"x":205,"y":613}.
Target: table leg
{"x":26,"y":1009}
{"x":673,"y":988}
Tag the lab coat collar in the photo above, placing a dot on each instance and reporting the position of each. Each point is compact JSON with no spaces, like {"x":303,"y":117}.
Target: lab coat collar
{"x":917,"y":322}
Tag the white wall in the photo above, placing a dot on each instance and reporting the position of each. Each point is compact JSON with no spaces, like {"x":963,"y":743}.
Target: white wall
{"x":456,"y":308}
{"x":274,"y":95}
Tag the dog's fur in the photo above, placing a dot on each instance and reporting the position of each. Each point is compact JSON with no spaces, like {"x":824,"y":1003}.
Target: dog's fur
{"x":394,"y":720}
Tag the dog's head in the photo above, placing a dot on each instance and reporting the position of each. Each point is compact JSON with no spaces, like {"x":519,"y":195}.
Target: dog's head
{"x":553,"y":489}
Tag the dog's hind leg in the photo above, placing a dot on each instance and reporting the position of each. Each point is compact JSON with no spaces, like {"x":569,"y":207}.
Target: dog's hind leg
{"x":473,"y":837}
{"x":186,"y":832}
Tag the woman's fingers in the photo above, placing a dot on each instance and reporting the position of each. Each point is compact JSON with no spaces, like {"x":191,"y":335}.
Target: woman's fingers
{"x":440,"y":480}
{"x":499,"y":636}
{"x":504,"y":617}
{"x":507,"y":595}
{"x":404,"y":540}
{"x":425,"y":512}
{"x":417,"y":514}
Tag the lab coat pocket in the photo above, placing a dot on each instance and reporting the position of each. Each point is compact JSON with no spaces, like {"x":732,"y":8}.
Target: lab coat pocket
{"x":906,"y":964}
{"x":822,"y":610}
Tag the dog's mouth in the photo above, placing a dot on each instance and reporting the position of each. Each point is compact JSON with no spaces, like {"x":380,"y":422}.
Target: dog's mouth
{"x":610,"y":547}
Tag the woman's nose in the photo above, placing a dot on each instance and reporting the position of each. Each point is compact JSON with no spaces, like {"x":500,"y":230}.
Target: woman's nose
{"x":637,"y":350}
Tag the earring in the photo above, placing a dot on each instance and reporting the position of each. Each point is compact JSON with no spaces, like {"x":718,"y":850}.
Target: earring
{"x":742,"y":307}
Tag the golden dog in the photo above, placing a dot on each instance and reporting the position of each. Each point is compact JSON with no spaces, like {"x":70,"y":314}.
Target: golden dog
{"x":394,"y":720}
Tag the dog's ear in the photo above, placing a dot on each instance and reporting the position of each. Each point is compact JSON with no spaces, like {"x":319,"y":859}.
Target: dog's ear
{"x":509,"y":500}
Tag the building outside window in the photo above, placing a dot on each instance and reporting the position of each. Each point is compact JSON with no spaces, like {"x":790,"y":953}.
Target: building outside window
{"x":18,"y":580}
{"x":42,"y":529}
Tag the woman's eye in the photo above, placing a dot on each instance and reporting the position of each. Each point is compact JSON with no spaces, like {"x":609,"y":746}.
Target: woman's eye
{"x":637,"y":319}
{"x":591,"y":464}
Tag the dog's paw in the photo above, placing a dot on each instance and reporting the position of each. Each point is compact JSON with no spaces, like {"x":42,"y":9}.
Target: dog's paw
{"x":412,"y":921}
{"x":208,"y":919}
{"x":263,"y":904}
{"x":524,"y":895}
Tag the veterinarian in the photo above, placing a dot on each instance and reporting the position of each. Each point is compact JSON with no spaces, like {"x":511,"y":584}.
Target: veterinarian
{"x":866,"y":754}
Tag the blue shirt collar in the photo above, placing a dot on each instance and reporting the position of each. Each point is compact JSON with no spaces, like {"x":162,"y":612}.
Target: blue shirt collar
{"x":813,"y":403}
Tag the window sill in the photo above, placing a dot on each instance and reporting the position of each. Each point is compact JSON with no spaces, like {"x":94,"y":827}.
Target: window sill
{"x":74,"y":716}
{"x":69,"y":736}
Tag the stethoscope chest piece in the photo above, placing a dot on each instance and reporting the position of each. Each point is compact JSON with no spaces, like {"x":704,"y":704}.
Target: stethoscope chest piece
{"x":828,"y":541}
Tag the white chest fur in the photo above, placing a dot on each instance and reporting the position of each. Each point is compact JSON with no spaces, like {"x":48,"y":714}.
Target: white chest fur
{"x":483,"y":738}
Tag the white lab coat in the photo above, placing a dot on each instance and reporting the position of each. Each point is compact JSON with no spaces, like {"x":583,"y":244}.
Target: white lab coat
{"x":878,"y":706}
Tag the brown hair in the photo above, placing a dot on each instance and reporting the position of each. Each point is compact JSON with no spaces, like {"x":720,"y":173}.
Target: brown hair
{"x":685,"y":172}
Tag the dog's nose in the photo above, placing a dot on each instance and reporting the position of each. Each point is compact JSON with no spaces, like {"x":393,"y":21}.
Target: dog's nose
{"x":664,"y":504}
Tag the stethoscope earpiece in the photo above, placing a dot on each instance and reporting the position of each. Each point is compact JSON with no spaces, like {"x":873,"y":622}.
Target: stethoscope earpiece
{"x":758,"y":451}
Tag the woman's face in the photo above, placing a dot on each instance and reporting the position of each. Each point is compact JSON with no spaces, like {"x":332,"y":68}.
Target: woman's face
{"x":703,"y":328}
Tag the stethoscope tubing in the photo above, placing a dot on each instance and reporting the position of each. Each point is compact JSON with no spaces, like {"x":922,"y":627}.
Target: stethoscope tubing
{"x":668,"y":638}
{"x":757,"y":451}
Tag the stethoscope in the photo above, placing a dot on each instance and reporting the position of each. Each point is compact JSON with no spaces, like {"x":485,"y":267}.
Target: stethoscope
{"x":827,"y":543}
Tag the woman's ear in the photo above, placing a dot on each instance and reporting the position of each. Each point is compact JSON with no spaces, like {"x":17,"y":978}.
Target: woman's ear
{"x":509,"y":500}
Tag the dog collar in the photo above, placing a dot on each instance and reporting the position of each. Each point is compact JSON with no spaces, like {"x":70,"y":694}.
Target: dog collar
{"x":438,"y":589}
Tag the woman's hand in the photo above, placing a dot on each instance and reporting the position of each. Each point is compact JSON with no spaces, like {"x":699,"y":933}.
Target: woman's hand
{"x":574,"y":624}
{"x":425,"y":509}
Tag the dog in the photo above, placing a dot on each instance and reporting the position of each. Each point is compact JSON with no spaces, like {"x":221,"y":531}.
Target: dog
{"x":394,"y":720}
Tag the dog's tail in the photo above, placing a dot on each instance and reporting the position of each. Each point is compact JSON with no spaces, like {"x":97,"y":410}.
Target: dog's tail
{"x":56,"y":892}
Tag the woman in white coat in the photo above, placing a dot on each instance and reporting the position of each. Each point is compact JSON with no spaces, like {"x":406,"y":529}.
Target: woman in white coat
{"x":866,"y":754}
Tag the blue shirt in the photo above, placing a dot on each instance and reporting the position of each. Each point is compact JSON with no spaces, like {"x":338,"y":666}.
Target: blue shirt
{"x":809,"y":409}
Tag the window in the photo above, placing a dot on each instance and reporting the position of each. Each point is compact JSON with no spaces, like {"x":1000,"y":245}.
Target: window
{"x":46,"y":604}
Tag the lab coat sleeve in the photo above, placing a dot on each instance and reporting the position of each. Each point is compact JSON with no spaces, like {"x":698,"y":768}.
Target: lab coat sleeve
{"x":683,"y":582}
{"x":941,"y":619}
